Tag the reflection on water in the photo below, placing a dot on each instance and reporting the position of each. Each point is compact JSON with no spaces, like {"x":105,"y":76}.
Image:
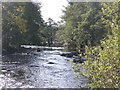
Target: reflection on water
{"x":45,"y":69}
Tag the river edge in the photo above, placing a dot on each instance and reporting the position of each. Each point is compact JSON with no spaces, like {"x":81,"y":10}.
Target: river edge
{"x":53,"y":57}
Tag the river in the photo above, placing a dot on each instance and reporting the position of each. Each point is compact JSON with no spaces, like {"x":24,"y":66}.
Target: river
{"x":44,"y":69}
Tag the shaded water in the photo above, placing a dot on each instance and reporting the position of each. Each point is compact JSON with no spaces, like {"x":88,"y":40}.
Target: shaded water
{"x":45,"y":69}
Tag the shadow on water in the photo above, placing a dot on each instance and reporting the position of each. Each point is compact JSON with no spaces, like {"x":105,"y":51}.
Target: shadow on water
{"x":45,"y":69}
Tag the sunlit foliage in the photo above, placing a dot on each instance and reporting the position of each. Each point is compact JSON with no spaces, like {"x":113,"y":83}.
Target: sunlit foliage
{"x":102,"y":67}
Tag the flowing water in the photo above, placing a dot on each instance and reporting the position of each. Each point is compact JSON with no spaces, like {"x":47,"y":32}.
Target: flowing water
{"x":45,"y":69}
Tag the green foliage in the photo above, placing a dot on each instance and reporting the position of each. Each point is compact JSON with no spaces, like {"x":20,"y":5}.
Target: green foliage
{"x":35,"y":23}
{"x":51,"y":28}
{"x":82,"y":25}
{"x":13,"y":26}
{"x":103,"y":62}
{"x":23,"y":24}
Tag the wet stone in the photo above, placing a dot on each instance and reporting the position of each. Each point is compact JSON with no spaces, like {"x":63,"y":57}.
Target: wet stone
{"x":33,"y":66}
{"x":51,"y":63}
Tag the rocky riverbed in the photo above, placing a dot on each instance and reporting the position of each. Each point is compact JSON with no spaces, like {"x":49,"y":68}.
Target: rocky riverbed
{"x":44,"y":69}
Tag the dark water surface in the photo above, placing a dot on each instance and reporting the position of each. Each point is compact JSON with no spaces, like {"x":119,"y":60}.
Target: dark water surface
{"x":45,"y":69}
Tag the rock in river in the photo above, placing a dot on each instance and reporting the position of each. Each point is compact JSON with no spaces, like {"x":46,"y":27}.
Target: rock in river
{"x":38,"y":50}
{"x":51,"y":63}
{"x":33,"y":65}
{"x":79,"y":59}
{"x":69,"y":54}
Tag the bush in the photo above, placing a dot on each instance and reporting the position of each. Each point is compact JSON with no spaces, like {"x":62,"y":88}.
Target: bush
{"x":102,"y":67}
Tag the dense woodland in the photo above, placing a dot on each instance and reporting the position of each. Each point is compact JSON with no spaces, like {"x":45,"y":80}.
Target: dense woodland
{"x":89,"y":28}
{"x":24,"y":25}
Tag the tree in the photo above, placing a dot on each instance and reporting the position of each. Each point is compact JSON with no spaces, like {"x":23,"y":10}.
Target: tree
{"x":102,"y":67}
{"x":82,"y":25}
{"x":13,"y":26}
{"x":49,"y":32}
{"x":35,"y":22}
{"x":22,"y":23}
